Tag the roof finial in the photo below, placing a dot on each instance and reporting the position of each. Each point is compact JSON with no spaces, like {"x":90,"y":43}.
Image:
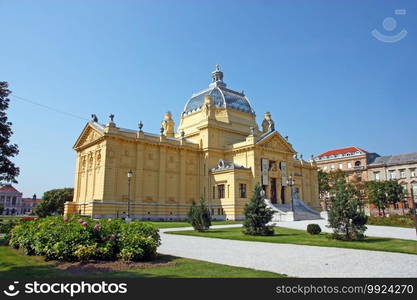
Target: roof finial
{"x":217,"y":77}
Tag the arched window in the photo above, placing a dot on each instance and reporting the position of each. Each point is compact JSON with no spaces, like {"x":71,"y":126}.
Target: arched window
{"x":357,"y":163}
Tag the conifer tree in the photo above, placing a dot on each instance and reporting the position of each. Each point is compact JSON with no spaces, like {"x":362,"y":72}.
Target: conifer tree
{"x":199,"y":216}
{"x":8,"y":170}
{"x":257,"y":215}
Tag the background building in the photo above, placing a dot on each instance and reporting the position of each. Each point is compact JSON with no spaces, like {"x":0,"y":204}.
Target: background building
{"x":11,"y":199}
{"x":28,"y":205}
{"x":13,"y":203}
{"x":361,"y":165}
{"x":218,"y":152}
{"x":401,"y":167}
{"x":352,"y":160}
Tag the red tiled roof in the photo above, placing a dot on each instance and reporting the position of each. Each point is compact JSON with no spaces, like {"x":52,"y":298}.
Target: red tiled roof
{"x":8,"y":188}
{"x":342,"y":151}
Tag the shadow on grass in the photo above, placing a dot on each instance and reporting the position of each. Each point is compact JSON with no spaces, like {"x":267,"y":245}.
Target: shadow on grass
{"x":20,"y":272}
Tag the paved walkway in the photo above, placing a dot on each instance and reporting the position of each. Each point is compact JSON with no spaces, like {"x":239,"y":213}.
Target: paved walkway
{"x":293,"y":260}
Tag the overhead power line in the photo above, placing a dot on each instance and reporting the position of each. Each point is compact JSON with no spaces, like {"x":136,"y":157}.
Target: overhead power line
{"x":48,"y":107}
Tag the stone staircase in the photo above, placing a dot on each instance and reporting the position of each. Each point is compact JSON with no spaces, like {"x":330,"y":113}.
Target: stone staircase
{"x":301,"y":211}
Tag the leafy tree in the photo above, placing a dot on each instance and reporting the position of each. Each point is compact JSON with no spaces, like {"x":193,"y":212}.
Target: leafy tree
{"x":8,"y":170}
{"x":335,"y":177}
{"x":377,"y":195}
{"x":360,"y":191}
{"x":327,"y":182}
{"x":53,"y":202}
{"x":395,"y":192}
{"x":199,"y":216}
{"x":257,"y":215}
{"x":1,"y":209}
{"x":345,"y":217}
{"x":324,"y":185}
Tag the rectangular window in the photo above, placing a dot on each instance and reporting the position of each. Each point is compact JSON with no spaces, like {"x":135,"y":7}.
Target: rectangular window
{"x":340,"y":166}
{"x":392,"y":174}
{"x":349,"y":165}
{"x":220,"y":191}
{"x":402,"y":173}
{"x":214,"y":192}
{"x":14,"y":201}
{"x":218,"y":211}
{"x":242,"y":190}
{"x":412,"y":172}
{"x":376,"y":176}
{"x":8,"y":200}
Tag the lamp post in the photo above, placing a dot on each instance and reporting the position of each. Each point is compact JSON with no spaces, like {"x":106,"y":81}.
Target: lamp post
{"x":290,"y":183}
{"x":129,"y":179}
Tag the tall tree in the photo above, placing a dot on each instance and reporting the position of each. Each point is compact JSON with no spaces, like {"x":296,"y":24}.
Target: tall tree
{"x":53,"y":202}
{"x":257,"y":215}
{"x":345,"y":217}
{"x":395,"y":192}
{"x":8,"y":170}
{"x":327,"y":182}
{"x":377,"y":195}
{"x":324,"y":185}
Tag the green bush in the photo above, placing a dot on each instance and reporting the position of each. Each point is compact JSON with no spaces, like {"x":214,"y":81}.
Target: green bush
{"x":81,"y":239}
{"x":313,"y":229}
{"x":257,"y":215}
{"x":6,"y":227}
{"x":199,"y":216}
{"x":85,"y":253}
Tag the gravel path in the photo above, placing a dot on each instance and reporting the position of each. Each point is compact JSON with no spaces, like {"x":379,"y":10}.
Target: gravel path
{"x":293,"y":260}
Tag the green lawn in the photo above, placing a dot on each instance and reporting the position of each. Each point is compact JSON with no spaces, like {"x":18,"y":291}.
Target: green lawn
{"x":15,"y":265}
{"x":174,"y":224}
{"x":300,"y":237}
{"x":9,"y":218}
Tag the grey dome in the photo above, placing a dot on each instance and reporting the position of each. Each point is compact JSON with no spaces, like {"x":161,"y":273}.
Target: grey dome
{"x":222,"y":96}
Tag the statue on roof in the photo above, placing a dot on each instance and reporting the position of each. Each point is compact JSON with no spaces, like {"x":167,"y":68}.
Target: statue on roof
{"x":94,"y":118}
{"x":268,"y":124}
{"x":168,"y":125}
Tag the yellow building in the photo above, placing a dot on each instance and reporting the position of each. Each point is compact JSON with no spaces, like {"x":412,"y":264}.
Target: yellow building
{"x":217,"y":153}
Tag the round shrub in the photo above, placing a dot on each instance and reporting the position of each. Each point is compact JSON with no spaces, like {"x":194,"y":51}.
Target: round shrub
{"x":83,"y":239}
{"x":313,"y":229}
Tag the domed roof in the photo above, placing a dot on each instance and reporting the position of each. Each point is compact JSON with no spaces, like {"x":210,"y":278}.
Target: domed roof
{"x":222,"y":96}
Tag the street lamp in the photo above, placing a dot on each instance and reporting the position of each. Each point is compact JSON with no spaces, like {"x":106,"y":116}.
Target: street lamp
{"x":129,"y":179}
{"x":290,"y":183}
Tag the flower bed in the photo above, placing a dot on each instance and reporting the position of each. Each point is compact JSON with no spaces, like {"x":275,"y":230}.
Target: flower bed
{"x":83,"y":239}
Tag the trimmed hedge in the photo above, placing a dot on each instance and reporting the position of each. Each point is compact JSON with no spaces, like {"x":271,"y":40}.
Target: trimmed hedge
{"x":82,"y":239}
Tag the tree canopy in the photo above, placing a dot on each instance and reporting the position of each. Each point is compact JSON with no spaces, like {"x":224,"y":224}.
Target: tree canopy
{"x":53,"y":202}
{"x":8,"y":170}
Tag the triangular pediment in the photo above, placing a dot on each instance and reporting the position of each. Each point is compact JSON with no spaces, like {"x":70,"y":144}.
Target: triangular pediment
{"x":275,"y":141}
{"x":90,"y":134}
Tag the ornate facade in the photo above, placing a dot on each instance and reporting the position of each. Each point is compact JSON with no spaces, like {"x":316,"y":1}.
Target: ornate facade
{"x":217,"y":153}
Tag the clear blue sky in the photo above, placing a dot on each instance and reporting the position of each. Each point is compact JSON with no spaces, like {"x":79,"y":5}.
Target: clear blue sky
{"x":313,"y":64}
